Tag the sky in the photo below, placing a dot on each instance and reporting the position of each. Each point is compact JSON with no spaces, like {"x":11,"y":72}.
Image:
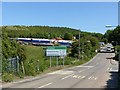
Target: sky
{"x":119,"y":13}
{"x":86,"y":16}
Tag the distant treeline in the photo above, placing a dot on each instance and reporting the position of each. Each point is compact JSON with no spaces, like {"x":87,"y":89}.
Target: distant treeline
{"x":45,"y":32}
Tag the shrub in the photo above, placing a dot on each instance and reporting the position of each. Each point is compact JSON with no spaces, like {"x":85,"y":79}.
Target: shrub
{"x":42,"y":66}
{"x":21,"y":75}
{"x":30,"y":68}
{"x":7,"y":77}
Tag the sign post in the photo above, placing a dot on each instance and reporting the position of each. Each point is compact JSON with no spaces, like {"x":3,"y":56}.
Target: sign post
{"x":57,"y":61}
{"x":50,"y":62}
{"x":56,"y":51}
{"x":63,"y":61}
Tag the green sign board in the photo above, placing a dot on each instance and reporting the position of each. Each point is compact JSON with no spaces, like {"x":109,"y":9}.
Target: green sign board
{"x":56,"y":51}
{"x":56,"y":47}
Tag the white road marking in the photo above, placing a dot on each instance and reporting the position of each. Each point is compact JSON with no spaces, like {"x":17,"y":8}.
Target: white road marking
{"x":67,"y":76}
{"x":61,"y":72}
{"x":110,"y":69}
{"x":75,"y":76}
{"x":85,"y":66}
{"x":95,"y":78}
{"x":79,"y":76}
{"x":89,"y":77}
{"x":114,"y":70}
{"x":105,"y":84}
{"x":45,"y":85}
{"x":83,"y":77}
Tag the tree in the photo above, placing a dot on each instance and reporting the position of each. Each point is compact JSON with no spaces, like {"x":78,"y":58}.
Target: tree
{"x":108,"y":35}
{"x":11,"y":49}
{"x":113,"y":35}
{"x":74,"y":50}
{"x":88,"y":45}
{"x":68,"y":36}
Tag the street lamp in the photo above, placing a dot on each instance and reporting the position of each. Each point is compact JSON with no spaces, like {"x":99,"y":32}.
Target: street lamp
{"x":109,"y":26}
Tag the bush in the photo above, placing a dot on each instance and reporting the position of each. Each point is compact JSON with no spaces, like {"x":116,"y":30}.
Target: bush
{"x":21,"y":75}
{"x":117,"y":53}
{"x":30,"y":68}
{"x":42,"y":66}
{"x":7,"y":77}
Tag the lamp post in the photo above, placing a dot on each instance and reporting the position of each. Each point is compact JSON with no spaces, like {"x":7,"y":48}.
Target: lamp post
{"x":109,"y":26}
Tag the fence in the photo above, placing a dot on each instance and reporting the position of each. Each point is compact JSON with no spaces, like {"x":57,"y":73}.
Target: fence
{"x":13,"y":65}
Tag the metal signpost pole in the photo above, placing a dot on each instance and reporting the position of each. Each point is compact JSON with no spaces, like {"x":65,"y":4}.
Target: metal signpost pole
{"x":56,"y":51}
{"x":50,"y":61}
{"x":63,"y":61}
{"x":57,"y":61}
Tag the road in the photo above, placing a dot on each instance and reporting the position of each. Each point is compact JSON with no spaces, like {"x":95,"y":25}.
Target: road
{"x":100,"y":72}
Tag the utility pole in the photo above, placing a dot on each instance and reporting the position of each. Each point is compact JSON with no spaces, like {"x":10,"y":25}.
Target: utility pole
{"x":119,"y":62}
{"x":79,"y":47}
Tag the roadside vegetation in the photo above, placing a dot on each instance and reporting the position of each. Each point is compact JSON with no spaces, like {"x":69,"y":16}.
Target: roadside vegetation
{"x":31,"y":60}
{"x":113,"y":37}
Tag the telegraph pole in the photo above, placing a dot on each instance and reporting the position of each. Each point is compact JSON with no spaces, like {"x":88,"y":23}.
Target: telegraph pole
{"x":119,"y":62}
{"x":79,"y":47}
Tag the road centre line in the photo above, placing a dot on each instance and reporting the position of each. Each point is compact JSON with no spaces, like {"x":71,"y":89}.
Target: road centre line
{"x":45,"y":85}
{"x":67,"y":76}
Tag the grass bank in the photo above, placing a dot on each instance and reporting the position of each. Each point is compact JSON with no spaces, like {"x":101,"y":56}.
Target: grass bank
{"x":37,"y":63}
